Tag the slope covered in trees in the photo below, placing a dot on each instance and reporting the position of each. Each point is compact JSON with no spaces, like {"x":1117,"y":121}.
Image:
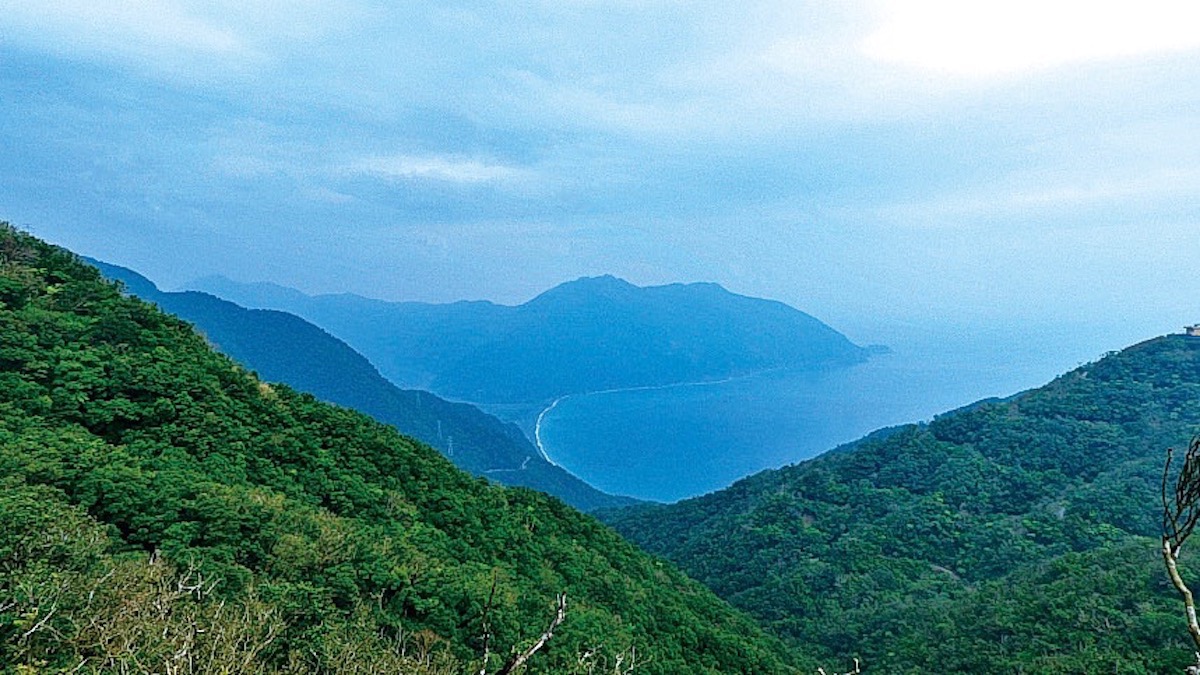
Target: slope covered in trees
{"x":1010,"y":536}
{"x":282,"y":347}
{"x":158,"y":502}
{"x":590,"y":334}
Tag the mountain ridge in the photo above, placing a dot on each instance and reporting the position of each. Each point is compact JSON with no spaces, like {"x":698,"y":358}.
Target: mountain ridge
{"x":589,"y":334}
{"x":283,"y":347}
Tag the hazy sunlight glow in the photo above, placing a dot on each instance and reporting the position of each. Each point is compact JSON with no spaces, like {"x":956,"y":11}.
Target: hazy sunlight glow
{"x":989,"y":37}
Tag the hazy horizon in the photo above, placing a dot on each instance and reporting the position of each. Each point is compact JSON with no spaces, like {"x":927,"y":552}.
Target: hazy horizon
{"x":1007,"y":359}
{"x":1039,"y":352}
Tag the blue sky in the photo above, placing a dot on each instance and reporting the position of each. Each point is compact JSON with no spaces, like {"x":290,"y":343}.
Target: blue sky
{"x":975,"y":167}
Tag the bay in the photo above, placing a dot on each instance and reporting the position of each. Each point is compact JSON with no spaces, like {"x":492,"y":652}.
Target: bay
{"x":670,"y":443}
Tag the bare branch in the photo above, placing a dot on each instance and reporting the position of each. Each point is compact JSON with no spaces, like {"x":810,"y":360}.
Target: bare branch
{"x":1181,"y":506}
{"x":857,"y":669}
{"x":519,"y":660}
{"x":40,"y":624}
{"x":487,"y":627}
{"x":1181,"y":511}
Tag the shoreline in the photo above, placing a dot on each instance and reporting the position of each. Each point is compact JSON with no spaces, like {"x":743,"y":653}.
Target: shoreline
{"x":537,"y":430}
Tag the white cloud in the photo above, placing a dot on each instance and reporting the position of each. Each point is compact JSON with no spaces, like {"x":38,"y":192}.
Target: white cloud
{"x":191,"y":40}
{"x":328,"y":196}
{"x":432,"y":167}
{"x":129,"y":26}
{"x":990,"y":37}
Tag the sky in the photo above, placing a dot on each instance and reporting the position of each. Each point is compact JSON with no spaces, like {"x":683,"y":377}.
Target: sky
{"x":985,"y":168}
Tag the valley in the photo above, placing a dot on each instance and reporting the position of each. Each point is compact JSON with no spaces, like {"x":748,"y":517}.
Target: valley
{"x":285,"y":348}
{"x":1003,"y":501}
{"x":683,"y":437}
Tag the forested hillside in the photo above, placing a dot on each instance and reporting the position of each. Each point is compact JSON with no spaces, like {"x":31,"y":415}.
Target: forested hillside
{"x":590,"y":334}
{"x":162,"y":509}
{"x":282,"y":347}
{"x":1012,"y":536}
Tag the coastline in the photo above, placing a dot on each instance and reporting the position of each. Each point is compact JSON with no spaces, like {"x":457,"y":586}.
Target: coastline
{"x":537,"y":429}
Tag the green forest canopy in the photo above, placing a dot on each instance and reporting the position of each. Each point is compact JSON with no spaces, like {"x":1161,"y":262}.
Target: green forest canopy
{"x":141,"y":470}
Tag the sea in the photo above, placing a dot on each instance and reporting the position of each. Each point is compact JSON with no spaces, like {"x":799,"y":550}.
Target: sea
{"x":671,"y":443}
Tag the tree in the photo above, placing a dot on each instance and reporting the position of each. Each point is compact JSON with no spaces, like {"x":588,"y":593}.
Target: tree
{"x":1181,"y":512}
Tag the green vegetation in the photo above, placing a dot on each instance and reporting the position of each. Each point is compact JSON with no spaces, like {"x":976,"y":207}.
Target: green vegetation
{"x":1013,"y":536}
{"x":162,"y":509}
{"x":282,"y":347}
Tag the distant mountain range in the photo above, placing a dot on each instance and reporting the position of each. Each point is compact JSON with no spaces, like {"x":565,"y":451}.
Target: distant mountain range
{"x":283,"y":347}
{"x":591,"y":334}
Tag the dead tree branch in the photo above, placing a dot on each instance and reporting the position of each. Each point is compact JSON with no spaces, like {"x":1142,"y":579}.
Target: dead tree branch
{"x":857,"y":670}
{"x":1181,"y":511}
{"x":519,"y":659}
{"x":487,"y":627}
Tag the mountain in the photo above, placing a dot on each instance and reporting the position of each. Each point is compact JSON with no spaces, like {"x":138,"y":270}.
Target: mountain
{"x":591,"y":334}
{"x":1016,"y":535}
{"x":164,"y":510}
{"x":282,"y":347}
{"x":410,"y":342}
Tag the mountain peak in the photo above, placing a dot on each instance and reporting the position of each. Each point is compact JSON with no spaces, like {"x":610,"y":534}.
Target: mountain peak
{"x":601,"y":282}
{"x":585,"y":289}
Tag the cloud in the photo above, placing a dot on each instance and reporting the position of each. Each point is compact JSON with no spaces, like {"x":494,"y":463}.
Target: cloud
{"x":139,"y":27}
{"x":759,"y":138}
{"x":437,"y":168}
{"x":993,"y":37}
{"x":190,"y":41}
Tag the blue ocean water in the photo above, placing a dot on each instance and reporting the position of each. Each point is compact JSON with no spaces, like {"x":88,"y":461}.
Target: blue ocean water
{"x":676,"y":442}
